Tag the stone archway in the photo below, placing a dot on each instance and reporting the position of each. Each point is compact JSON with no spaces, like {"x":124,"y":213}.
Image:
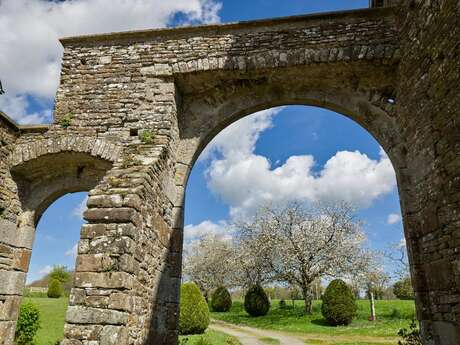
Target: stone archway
{"x":171,"y":90}
{"x":40,"y":172}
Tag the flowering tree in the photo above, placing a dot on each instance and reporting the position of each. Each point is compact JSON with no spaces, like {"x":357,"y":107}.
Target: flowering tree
{"x":206,"y":262}
{"x":301,"y":245}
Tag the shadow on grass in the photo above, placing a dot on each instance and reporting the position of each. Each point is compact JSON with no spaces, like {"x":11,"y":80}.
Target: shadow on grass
{"x":321,"y":322}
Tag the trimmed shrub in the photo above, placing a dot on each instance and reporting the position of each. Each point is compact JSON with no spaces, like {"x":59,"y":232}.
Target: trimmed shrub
{"x":339,"y":304}
{"x":194,"y":312}
{"x":55,"y":289}
{"x":221,"y":301}
{"x":28,"y":324}
{"x":256,"y":301}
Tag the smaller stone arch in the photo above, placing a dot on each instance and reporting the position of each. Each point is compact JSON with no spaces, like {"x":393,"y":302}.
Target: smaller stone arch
{"x":46,"y":169}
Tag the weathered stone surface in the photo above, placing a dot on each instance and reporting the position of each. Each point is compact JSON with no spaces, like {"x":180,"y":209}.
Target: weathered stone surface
{"x":86,"y":315}
{"x":107,"y":280}
{"x":10,"y":234}
{"x":11,"y":282}
{"x":7,"y":329}
{"x":9,"y":308}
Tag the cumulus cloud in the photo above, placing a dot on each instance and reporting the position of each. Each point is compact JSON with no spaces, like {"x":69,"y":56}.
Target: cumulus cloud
{"x":72,"y":252}
{"x":80,"y":209}
{"x":393,"y":218}
{"x":30,"y":53}
{"x":245,"y":180}
{"x":207,"y":227}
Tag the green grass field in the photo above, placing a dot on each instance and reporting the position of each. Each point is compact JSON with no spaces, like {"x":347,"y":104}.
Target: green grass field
{"x":214,"y":338}
{"x":52,"y":316}
{"x":293,"y":319}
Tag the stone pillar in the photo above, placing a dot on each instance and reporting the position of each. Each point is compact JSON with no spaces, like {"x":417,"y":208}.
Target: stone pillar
{"x":125,"y":288}
{"x":429,"y":108}
{"x":16,"y":238}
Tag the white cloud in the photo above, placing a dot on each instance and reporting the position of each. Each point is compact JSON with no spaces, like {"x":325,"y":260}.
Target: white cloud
{"x":45,"y":270}
{"x":80,"y":209}
{"x":239,"y":139}
{"x":207,"y":227}
{"x":245,"y":180}
{"x":30,"y":53}
{"x":72,"y":252}
{"x":393,"y":218}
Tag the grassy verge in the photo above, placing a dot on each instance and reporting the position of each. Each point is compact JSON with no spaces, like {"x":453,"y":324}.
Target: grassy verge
{"x":391,"y":316}
{"x":212,"y":338}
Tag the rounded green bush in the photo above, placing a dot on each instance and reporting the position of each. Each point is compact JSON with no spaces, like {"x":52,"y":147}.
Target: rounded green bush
{"x":256,"y":302}
{"x":221,"y":301}
{"x":403,"y":289}
{"x":55,"y":289}
{"x":27,"y":325}
{"x":194,"y":312}
{"x":339,"y":304}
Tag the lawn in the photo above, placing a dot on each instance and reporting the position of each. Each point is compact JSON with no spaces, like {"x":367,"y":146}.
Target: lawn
{"x":213,"y":337}
{"x":292,"y":319}
{"x":52,"y":315}
{"x":391,"y":316}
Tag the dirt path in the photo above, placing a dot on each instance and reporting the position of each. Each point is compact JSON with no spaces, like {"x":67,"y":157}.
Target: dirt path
{"x":252,"y":336}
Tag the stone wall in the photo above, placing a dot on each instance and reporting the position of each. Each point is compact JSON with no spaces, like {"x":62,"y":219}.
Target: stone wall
{"x":429,"y":107}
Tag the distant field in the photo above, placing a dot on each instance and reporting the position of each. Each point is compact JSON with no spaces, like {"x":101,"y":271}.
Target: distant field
{"x":293,"y":319}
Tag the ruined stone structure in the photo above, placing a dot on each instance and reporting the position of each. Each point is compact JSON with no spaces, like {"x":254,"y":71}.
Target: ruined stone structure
{"x":134,"y":110}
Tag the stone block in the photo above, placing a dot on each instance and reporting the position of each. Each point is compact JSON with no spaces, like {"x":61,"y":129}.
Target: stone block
{"x":113,"y":335}
{"x":12,"y":282}
{"x":21,"y":237}
{"x":108,"y":280}
{"x":121,"y":301}
{"x":104,"y":201}
{"x":87,"y":315}
{"x":94,"y":263}
{"x":7,"y":329}
{"x":9,"y":308}
{"x":111,"y":215}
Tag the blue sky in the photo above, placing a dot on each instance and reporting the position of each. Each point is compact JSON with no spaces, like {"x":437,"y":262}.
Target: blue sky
{"x":292,"y":152}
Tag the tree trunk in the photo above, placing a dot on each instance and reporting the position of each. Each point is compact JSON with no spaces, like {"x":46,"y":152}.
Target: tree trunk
{"x":308,"y":300}
{"x":371,"y":300}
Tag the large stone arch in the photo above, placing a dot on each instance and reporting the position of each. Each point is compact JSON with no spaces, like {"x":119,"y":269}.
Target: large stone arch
{"x":158,"y":96}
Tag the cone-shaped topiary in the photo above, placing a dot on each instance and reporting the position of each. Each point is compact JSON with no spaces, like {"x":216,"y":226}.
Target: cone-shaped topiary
{"x":194,"y":312}
{"x":221,"y":301}
{"x":256,"y":302}
{"x":55,"y":289}
{"x":339,"y":304}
